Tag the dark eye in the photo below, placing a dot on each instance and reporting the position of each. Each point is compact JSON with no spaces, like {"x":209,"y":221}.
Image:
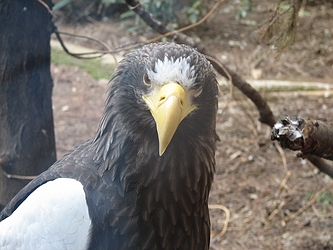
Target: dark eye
{"x":146,"y":80}
{"x":197,"y":91}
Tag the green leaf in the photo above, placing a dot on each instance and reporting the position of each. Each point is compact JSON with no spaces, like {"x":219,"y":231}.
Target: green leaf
{"x":61,"y":4}
{"x":126,"y":14}
{"x":196,"y":4}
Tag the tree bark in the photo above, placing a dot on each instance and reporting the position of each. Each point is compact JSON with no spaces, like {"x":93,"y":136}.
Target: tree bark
{"x":159,"y":27}
{"x":27,"y":143}
{"x":313,"y":138}
{"x":265,"y":113}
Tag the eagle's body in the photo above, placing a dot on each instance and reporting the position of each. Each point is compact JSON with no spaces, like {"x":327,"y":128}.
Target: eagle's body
{"x":128,"y":189}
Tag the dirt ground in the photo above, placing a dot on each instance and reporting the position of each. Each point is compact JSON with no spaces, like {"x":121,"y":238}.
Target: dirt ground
{"x":268,"y":192}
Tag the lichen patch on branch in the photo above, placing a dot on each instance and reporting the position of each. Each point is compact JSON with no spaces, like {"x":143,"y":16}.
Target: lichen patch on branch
{"x":311,"y":137}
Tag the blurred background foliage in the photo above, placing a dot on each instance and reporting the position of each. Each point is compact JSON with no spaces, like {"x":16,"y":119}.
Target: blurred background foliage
{"x":178,"y":13}
{"x":172,"y":13}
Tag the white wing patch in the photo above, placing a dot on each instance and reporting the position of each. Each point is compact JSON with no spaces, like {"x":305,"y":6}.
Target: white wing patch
{"x":178,"y":70}
{"x":54,"y":216}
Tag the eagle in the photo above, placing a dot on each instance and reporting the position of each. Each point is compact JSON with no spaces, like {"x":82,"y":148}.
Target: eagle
{"x":143,"y":180}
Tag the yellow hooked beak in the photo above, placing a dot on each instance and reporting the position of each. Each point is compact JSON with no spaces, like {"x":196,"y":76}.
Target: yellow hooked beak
{"x":169,"y":105}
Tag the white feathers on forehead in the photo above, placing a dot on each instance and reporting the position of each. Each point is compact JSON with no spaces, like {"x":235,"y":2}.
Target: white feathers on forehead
{"x":169,"y":69}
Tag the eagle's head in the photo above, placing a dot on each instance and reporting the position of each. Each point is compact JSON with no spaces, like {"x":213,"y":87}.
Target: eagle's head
{"x":156,"y":145}
{"x":166,"y":87}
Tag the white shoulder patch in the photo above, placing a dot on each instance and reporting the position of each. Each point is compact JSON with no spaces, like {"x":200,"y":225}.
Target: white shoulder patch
{"x":54,"y":216}
{"x":172,"y":70}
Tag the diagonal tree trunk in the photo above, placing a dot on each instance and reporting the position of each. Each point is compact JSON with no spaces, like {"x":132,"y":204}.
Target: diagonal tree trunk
{"x":27,"y":144}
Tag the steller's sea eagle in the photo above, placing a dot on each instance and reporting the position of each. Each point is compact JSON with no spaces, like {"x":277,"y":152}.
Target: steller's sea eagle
{"x":142,"y":182}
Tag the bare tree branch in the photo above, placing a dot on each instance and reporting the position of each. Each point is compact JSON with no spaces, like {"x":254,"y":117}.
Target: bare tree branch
{"x":321,"y":164}
{"x":265,"y":112}
{"x":280,"y":30}
{"x":312,"y":138}
{"x":160,"y":28}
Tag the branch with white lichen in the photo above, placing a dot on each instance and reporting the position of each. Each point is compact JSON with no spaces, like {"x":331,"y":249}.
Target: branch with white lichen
{"x":313,"y":138}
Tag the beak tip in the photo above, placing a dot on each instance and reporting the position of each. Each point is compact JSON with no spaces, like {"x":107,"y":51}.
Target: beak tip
{"x":161,"y":150}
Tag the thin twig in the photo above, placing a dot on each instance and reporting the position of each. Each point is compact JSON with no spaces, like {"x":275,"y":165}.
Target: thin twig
{"x":309,"y":204}
{"x":283,"y":156}
{"x":105,"y":45}
{"x":285,"y":166}
{"x":85,"y":12}
{"x":18,"y":177}
{"x":173,"y":32}
{"x":46,"y":6}
{"x":80,"y":55}
{"x":5,"y":161}
{"x":110,"y":51}
{"x":226,"y":221}
{"x":276,"y":210}
{"x":283,"y":182}
{"x":229,"y":79}
{"x":316,"y":212}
